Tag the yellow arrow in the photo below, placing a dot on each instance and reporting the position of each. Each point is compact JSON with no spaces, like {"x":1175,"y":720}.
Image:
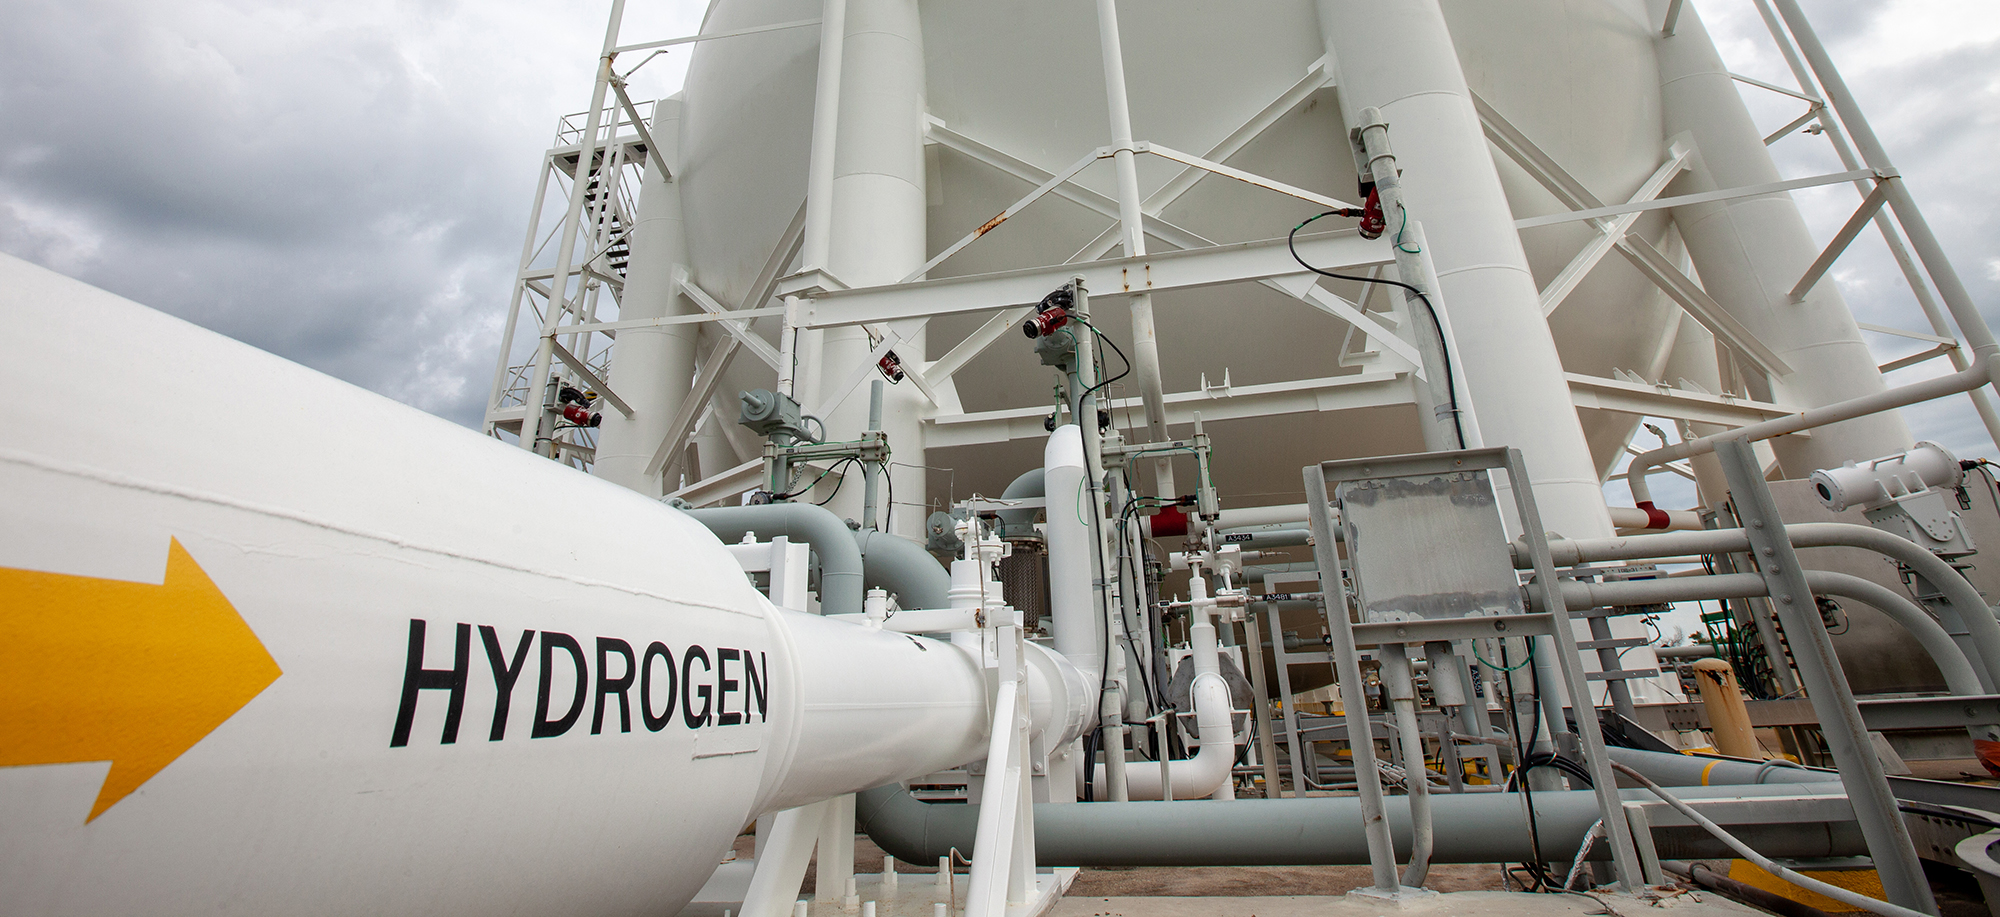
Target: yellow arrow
{"x":133,"y":673}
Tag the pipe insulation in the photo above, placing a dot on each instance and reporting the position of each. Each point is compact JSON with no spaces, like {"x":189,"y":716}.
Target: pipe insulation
{"x":840,"y":573}
{"x":1075,"y":624}
{"x":903,"y":569}
{"x":1325,"y":830}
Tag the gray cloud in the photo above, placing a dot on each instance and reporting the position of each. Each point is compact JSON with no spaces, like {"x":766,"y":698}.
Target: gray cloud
{"x":346,"y":187}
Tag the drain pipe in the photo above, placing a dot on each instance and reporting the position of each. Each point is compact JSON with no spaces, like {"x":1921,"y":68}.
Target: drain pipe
{"x":1208,"y":772}
{"x":903,"y":568}
{"x":1326,"y":830}
{"x":1396,"y":675}
{"x":840,"y":575}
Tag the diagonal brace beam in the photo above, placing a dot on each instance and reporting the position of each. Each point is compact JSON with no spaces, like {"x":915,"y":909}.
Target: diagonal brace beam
{"x":1683,"y":290}
{"x":1845,"y":237}
{"x":705,"y":383}
{"x":737,"y":330}
{"x":590,"y":377}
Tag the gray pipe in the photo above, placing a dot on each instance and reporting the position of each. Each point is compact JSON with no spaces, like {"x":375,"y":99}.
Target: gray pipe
{"x":1959,"y":675}
{"x":1708,"y":770}
{"x":1269,"y":538}
{"x":839,"y":560}
{"x":1322,"y":830}
{"x":904,"y":569}
{"x":1958,"y":593}
{"x":1016,"y":522}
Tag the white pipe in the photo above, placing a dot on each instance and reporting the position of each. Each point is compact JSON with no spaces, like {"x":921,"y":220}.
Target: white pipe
{"x":1243,"y":517}
{"x":1669,"y":520}
{"x":536,"y":415}
{"x":674,"y":702}
{"x":1743,"y":850}
{"x":1400,"y":57}
{"x":1132,"y":234}
{"x":1207,"y":773}
{"x":1074,"y":621}
{"x":1978,"y":374}
{"x":879,"y":210}
{"x":825,"y":134}
{"x":1750,"y":251}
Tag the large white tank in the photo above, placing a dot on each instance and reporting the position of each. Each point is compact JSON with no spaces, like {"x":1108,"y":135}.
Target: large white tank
{"x":1027,"y":79}
{"x":1581,"y":79}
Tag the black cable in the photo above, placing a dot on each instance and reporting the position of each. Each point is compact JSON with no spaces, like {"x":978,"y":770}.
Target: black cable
{"x":1153,"y":704}
{"x":836,"y":482}
{"x":1114,"y":349}
{"x":822,"y":476}
{"x":1521,"y":759}
{"x":1444,"y":352}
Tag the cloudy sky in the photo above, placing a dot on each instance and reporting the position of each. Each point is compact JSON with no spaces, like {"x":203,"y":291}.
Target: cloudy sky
{"x":347,"y":184}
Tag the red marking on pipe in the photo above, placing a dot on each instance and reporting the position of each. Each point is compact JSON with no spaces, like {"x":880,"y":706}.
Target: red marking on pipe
{"x":1170,"y":521}
{"x":1656,"y":518}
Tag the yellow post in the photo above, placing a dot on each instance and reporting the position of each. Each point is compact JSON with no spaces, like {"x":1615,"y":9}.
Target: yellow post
{"x":1728,"y":716}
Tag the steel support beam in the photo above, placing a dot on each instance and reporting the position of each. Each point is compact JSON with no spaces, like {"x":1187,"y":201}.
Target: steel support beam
{"x":1221,"y":264}
{"x":1826,"y":685}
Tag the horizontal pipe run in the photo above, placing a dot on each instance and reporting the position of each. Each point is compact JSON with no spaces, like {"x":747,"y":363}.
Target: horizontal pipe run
{"x":1959,"y":675}
{"x":1978,"y":374}
{"x":1323,"y":830}
{"x":1714,"y":770}
{"x":1960,"y":594}
{"x":1671,"y":520}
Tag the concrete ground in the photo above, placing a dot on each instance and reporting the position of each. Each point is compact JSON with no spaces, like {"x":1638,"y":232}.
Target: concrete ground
{"x":1193,"y":881}
{"x":1480,"y":903}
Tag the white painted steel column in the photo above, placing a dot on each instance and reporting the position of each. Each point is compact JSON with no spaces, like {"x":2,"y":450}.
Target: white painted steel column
{"x":651,"y":368}
{"x":1399,"y":57}
{"x":1132,"y":235}
{"x":876,"y":231}
{"x":1751,"y":251}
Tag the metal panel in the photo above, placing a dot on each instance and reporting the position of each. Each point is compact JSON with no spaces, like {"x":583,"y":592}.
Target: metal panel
{"x":1433,"y":546}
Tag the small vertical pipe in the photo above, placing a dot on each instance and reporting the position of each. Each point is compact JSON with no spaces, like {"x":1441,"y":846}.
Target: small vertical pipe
{"x":536,"y":420}
{"x":1267,"y":744}
{"x":1132,"y":234}
{"x":1402,"y":686}
{"x":871,"y":472}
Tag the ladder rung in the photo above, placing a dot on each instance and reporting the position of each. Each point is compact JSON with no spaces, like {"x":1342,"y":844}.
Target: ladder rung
{"x":1619,"y":674}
